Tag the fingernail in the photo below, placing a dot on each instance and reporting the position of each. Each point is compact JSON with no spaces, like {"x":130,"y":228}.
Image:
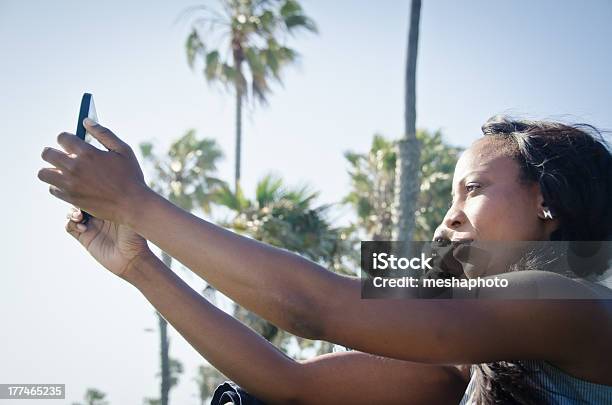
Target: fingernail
{"x":89,"y":122}
{"x":81,"y":227}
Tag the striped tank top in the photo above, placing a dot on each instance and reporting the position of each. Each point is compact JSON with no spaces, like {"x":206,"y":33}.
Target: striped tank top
{"x":558,"y":387}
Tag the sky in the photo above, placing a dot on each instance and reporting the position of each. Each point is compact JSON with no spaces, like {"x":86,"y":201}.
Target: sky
{"x":65,"y":319}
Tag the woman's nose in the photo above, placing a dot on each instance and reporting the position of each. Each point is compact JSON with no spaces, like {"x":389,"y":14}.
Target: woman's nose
{"x":453,"y":220}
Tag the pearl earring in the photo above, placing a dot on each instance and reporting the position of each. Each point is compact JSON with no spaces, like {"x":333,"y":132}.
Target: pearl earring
{"x":547,"y":214}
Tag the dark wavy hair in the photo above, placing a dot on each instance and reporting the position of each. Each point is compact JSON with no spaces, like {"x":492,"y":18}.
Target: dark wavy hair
{"x":573,"y":166}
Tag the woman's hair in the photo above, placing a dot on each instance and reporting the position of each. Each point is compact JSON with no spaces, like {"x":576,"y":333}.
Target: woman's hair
{"x":573,"y":167}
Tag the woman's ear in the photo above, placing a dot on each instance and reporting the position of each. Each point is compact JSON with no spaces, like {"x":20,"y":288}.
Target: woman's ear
{"x":548,"y":219}
{"x":543,"y":211}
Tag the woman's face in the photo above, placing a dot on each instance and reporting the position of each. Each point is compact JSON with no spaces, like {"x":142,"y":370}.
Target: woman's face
{"x":489,"y":202}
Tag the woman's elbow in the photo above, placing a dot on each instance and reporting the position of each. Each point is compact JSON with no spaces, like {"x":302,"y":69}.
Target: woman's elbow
{"x":306,"y":321}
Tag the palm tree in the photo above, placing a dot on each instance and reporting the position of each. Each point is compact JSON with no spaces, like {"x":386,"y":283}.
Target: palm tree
{"x":174,"y":370}
{"x":242,"y":47}
{"x":287,"y":218}
{"x":437,"y":164}
{"x":184,"y":176}
{"x":373,"y":185}
{"x":407,"y":180}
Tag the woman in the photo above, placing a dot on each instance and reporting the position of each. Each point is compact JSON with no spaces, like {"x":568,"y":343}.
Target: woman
{"x":523,"y":181}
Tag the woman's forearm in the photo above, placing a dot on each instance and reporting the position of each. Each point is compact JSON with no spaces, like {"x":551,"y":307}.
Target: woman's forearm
{"x":288,"y":290}
{"x":307,"y":300}
{"x":228,"y":345}
{"x":263,"y":371}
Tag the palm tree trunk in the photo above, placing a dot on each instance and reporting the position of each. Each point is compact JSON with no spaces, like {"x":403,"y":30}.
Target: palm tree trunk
{"x":164,"y":346}
{"x":411,"y":64}
{"x":238,"y":137}
{"x":407,"y":169}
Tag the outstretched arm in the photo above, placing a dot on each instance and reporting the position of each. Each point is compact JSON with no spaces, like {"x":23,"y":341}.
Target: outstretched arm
{"x":247,"y":358}
{"x":306,"y":299}
{"x":302,"y":297}
{"x":265,"y":372}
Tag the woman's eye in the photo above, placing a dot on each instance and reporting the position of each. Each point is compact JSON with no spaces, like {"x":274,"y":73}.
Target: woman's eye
{"x":471,"y":187}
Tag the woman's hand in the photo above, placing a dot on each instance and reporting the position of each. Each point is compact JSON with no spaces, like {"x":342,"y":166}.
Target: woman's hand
{"x":106,"y":184}
{"x":114,"y":246}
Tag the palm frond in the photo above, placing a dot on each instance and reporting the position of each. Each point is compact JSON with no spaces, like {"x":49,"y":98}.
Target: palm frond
{"x":268,"y":190}
{"x":212,"y":67}
{"x":193,"y":47}
{"x":226,"y":197}
{"x":294,"y":18}
{"x":253,"y":27}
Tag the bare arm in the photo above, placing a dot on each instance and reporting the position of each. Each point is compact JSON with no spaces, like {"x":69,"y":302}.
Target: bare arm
{"x":262,"y":370}
{"x":242,"y":354}
{"x":360,"y":378}
{"x":306,"y":299}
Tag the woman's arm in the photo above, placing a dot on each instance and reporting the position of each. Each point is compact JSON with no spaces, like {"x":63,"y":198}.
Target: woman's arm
{"x":243,"y":355}
{"x":306,"y":299}
{"x":265,"y":372}
{"x":360,"y":378}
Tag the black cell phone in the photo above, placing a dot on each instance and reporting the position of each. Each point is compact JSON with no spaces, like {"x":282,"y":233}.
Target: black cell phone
{"x":87,"y":110}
